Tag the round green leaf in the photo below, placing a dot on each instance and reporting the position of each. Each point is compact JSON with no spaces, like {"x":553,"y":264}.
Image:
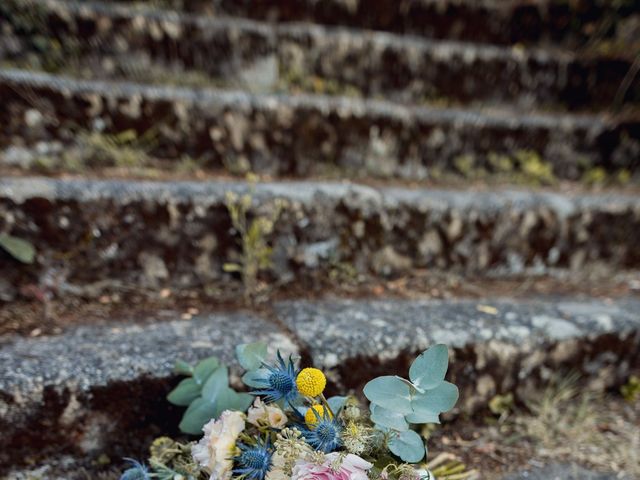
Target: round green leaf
{"x":428,"y":370}
{"x":185,"y":393}
{"x":440,"y":399}
{"x":251,"y":355}
{"x":390,"y":393}
{"x":408,"y":446}
{"x":388,"y":419}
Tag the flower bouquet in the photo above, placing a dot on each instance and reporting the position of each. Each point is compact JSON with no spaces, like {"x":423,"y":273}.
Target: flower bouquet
{"x":286,"y":428}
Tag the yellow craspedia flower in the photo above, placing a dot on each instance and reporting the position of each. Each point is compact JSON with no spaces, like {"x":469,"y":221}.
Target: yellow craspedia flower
{"x":311,"y":382}
{"x":316,"y":413}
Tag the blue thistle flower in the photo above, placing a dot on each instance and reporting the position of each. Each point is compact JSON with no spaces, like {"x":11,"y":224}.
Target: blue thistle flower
{"x":277,"y":382}
{"x":254,"y":461}
{"x":324,"y":435}
{"x":137,"y":471}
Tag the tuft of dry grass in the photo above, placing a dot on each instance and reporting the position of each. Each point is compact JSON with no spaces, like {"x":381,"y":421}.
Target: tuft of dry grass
{"x":567,"y":423}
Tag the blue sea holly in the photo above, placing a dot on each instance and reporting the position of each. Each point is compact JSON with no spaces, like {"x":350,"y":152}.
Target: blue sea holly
{"x":323,"y":434}
{"x":254,"y":461}
{"x":276,"y":382}
{"x":136,"y":471}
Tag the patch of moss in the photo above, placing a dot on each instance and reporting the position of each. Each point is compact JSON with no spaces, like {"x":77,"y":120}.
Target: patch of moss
{"x":534,"y":168}
{"x":500,"y":163}
{"x":523,"y":166}
{"x":595,"y":176}
{"x":292,"y":79}
{"x":124,"y":149}
{"x":466,"y":165}
{"x":623,"y":176}
{"x":631,"y":390}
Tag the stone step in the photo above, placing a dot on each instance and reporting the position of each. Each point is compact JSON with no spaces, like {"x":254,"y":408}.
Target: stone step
{"x":99,"y":389}
{"x":500,"y":344}
{"x":95,"y":386}
{"x":505,"y":22}
{"x":304,"y":135}
{"x":180,"y":233}
{"x":103,"y":40}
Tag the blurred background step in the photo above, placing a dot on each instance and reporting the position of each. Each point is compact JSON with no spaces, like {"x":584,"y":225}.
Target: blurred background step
{"x":180,"y":234}
{"x":597,"y":23}
{"x":100,"y":40}
{"x":45,"y":116}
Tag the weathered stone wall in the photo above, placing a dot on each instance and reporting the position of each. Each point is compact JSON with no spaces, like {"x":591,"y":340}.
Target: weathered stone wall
{"x":120,"y":41}
{"x":502,"y":22}
{"x":303,"y":135}
{"x":180,"y":233}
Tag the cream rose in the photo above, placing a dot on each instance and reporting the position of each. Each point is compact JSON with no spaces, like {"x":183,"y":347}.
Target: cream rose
{"x":215,"y":450}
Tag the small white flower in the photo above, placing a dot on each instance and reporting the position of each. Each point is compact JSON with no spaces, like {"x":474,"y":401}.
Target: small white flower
{"x":270,"y":415}
{"x":215,"y":450}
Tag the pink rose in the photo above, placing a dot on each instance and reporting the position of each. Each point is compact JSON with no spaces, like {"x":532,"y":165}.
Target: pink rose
{"x":335,"y":467}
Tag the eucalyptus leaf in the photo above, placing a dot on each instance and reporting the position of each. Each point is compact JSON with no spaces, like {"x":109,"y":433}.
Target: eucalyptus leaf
{"x":183,"y":368}
{"x":249,"y":379}
{"x":336,"y":403}
{"x":185,"y":393}
{"x":222,"y":401}
{"x":428,"y":370}
{"x":423,"y":416}
{"x":204,"y":369}
{"x":251,"y":355}
{"x":197,"y":415}
{"x":387,"y":418}
{"x":18,"y":248}
{"x":229,"y":399}
{"x":409,"y":446}
{"x":389,"y":392}
{"x":216,"y":384}
{"x":440,"y":399}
